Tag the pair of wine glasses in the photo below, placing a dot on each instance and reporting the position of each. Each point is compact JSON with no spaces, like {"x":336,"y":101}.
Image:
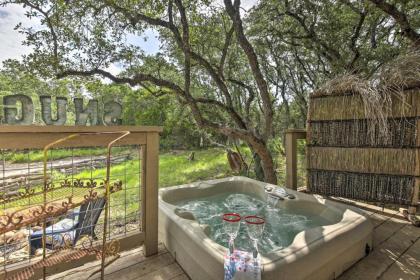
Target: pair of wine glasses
{"x":254,"y":225}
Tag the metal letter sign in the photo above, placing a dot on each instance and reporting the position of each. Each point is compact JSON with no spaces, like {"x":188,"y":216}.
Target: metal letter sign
{"x":11,"y":112}
{"x":19,"y":110}
{"x":112,"y":113}
{"x":47,"y":110}
{"x":91,"y":112}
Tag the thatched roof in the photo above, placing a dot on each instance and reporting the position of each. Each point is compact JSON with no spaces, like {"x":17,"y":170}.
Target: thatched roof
{"x":402,"y":73}
{"x":378,"y":99}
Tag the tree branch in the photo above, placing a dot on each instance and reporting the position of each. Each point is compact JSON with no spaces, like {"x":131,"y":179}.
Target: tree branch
{"x":157,"y":93}
{"x":185,"y":46}
{"x":226,"y":46}
{"x":353,"y":41}
{"x":234,"y":14}
{"x":49,"y":24}
{"x":248,"y":101}
{"x":183,"y":43}
{"x":133,"y":81}
{"x":329,"y":53}
{"x":401,"y":19}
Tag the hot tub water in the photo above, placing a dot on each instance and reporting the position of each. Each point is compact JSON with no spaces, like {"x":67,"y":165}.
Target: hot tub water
{"x":282,"y":224}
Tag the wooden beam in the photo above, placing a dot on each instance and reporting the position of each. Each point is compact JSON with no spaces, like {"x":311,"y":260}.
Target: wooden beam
{"x":30,"y":137}
{"x":150,"y":191}
{"x":292,"y":135}
{"x":76,"y":129}
{"x":21,"y":141}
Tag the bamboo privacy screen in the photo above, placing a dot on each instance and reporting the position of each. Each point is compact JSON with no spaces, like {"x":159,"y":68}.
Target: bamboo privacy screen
{"x":64,"y":187}
{"x":349,"y":155}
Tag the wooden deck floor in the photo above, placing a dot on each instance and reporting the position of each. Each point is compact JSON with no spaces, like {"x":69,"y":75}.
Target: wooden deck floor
{"x":132,"y":265}
{"x":396,"y":255}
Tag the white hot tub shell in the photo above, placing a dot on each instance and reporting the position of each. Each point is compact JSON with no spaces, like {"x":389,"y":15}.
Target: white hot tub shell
{"x":322,"y":252}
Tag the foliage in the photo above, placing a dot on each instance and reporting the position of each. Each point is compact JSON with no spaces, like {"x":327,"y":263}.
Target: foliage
{"x":174,"y":169}
{"x":38,"y":156}
{"x":220,"y":70}
{"x":140,"y":107}
{"x":212,"y":78}
{"x":15,"y":78}
{"x":303,"y":44}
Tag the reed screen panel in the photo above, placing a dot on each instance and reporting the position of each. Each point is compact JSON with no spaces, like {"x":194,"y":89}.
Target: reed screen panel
{"x":352,"y":155}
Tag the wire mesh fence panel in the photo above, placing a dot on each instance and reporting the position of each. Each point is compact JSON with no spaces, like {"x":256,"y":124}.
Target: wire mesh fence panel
{"x":76,"y":176}
{"x":69,"y":195}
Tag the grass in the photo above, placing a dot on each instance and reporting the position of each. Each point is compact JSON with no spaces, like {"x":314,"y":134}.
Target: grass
{"x":174,"y":169}
{"x":38,"y":155}
{"x":177,"y":169}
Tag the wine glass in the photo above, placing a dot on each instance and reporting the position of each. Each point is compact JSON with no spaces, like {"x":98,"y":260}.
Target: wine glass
{"x":231,"y":225}
{"x":255,"y":227}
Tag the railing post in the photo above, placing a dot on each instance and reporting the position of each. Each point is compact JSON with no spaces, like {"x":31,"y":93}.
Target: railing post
{"x":150,"y":181}
{"x":415,"y":195}
{"x":292,"y":135}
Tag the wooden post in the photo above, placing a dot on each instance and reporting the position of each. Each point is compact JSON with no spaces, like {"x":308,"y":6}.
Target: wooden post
{"x":292,"y":135}
{"x":150,"y":182}
{"x":415,"y":197}
{"x":412,"y":209}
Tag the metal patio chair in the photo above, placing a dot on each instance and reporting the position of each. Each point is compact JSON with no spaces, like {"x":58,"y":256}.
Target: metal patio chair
{"x":77,"y":224}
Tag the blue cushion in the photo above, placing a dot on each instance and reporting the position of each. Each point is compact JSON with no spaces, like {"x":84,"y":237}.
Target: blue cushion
{"x":64,"y":225}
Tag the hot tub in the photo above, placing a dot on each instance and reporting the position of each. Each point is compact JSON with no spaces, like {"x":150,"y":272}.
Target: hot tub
{"x":323,"y":240}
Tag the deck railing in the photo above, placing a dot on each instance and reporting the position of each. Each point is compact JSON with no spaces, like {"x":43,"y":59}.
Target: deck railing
{"x":79,"y":181}
{"x":292,"y":136}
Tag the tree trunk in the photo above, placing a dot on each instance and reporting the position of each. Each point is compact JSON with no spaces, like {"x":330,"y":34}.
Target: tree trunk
{"x":264,"y":164}
{"x":257,"y":145}
{"x":259,"y":172}
{"x":268,"y":166}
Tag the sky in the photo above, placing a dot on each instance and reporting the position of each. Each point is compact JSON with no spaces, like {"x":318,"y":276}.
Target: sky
{"x":11,"y":41}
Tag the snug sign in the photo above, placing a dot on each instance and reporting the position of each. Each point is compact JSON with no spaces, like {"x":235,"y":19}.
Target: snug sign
{"x":111,"y":111}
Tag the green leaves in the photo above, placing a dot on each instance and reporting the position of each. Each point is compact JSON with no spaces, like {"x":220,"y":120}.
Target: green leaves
{"x":210,"y":77}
